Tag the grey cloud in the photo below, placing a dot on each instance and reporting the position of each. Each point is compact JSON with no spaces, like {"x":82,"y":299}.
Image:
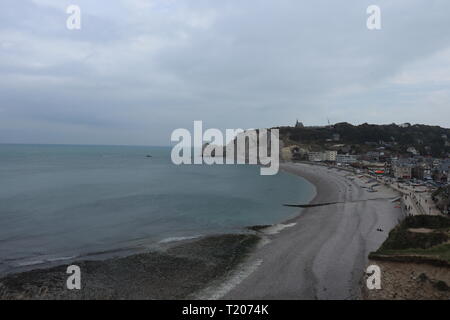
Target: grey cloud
{"x":144,"y":68}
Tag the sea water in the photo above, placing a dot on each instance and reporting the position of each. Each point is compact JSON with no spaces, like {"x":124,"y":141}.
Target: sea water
{"x":61,"y":202}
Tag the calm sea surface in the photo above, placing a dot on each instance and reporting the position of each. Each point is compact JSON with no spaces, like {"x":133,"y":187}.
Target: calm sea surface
{"x":63,"y":202}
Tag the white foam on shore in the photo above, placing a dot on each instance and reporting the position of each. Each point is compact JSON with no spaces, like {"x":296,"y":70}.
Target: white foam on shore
{"x":61,"y":258}
{"x":30,"y":263}
{"x":278,"y":227}
{"x":216,"y":292}
{"x":264,"y":241}
{"x":42,"y":261}
{"x":174,"y":239}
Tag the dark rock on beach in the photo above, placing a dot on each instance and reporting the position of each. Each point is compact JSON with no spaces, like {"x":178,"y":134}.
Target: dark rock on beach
{"x":174,"y":273}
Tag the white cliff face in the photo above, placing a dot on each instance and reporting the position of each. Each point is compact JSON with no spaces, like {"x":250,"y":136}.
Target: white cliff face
{"x":255,"y":147}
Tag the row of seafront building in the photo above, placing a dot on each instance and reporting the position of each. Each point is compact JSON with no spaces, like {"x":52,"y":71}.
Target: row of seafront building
{"x":417,"y":167}
{"x":421,"y":176}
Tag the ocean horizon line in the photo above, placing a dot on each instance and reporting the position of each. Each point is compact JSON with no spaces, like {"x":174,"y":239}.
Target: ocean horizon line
{"x":83,"y":145}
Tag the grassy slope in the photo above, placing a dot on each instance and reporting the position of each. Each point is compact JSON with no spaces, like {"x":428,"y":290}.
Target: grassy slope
{"x":434,"y":245}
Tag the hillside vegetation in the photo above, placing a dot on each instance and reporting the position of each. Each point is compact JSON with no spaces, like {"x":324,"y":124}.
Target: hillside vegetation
{"x":421,"y":238}
{"x":428,"y":140}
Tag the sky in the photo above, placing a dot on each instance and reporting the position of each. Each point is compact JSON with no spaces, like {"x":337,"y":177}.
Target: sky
{"x":137,"y":70}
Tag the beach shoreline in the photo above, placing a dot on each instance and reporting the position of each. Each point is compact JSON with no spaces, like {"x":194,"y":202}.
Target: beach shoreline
{"x":240,"y":271}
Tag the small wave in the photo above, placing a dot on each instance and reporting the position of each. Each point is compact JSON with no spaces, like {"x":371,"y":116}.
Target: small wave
{"x":42,"y":261}
{"x":30,"y":263}
{"x":173,"y":239}
{"x":60,"y":258}
{"x":109,"y":251}
{"x":278,"y":227}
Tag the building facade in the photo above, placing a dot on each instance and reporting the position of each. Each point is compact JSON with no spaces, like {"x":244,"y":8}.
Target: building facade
{"x":330,"y":155}
{"x":402,"y":170}
{"x":346,"y":158}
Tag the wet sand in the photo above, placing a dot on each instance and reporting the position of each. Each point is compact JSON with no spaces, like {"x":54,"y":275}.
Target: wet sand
{"x":322,"y":253}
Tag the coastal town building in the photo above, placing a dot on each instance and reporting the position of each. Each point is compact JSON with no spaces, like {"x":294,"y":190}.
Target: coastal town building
{"x":330,"y":155}
{"x":418,"y":172}
{"x":441,"y":172}
{"x":373,"y":156}
{"x":316,"y":156}
{"x":346,"y":158}
{"x":402,"y":170}
{"x":412,"y":150}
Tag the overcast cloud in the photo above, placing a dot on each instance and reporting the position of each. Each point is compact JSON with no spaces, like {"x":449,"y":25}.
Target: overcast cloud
{"x":139,"y":69}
